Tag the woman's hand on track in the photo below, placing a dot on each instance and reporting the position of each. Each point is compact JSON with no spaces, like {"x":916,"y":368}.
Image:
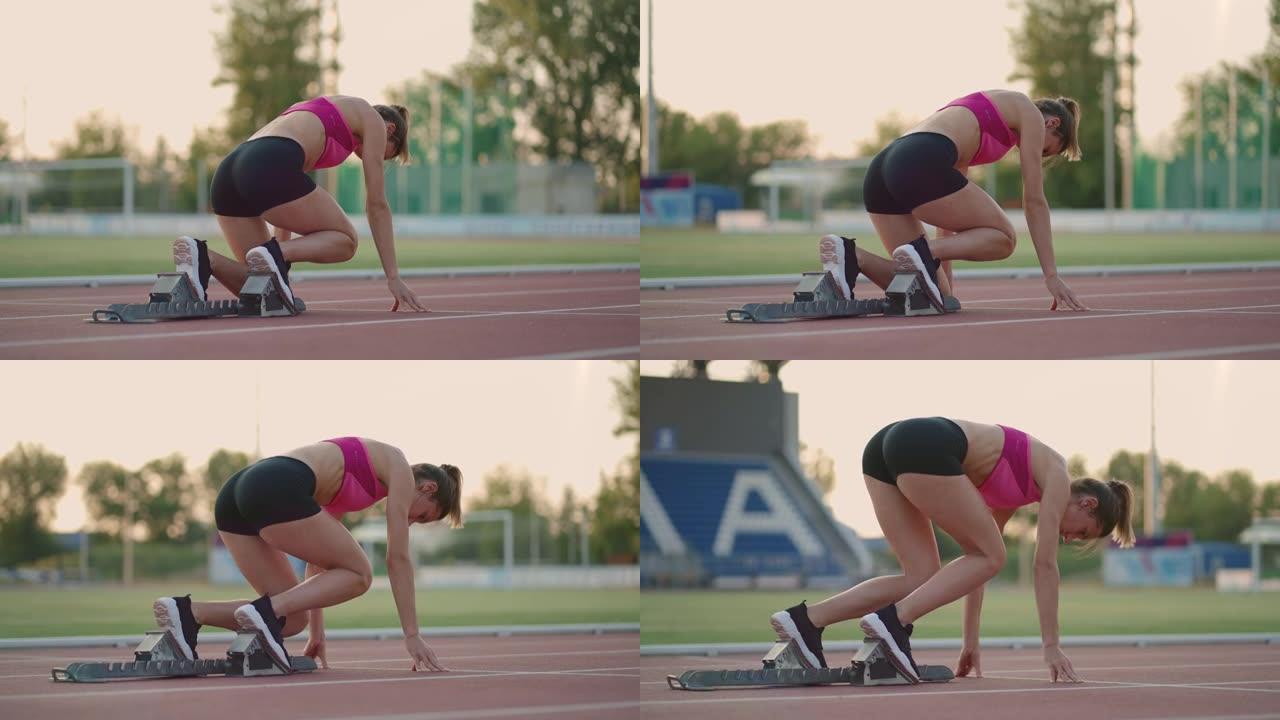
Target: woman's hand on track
{"x":403,"y":294}
{"x":1059,"y":666}
{"x":423,"y":656}
{"x":315,"y":650}
{"x":1062,"y":295}
{"x":968,"y":662}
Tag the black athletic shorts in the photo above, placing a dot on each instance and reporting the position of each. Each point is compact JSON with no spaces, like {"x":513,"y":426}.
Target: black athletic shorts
{"x":272,"y":490}
{"x":911,"y":171}
{"x":929,"y":446}
{"x":259,"y":175}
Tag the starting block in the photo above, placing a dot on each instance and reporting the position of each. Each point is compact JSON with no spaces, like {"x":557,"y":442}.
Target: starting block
{"x":817,"y":297}
{"x":158,"y":656}
{"x":784,"y":665}
{"x":906,"y":295}
{"x":173,"y":297}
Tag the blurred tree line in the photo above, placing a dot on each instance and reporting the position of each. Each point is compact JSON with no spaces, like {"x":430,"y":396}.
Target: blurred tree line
{"x":172,"y":504}
{"x":567,"y":71}
{"x":720,"y":150}
{"x":1062,"y":48}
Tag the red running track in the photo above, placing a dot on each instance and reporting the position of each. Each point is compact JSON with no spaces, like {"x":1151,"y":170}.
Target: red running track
{"x":552,"y":676}
{"x":1173,"y":682}
{"x":579,"y":315}
{"x":1218,"y":315}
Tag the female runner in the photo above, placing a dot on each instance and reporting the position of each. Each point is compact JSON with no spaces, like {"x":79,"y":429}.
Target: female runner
{"x":922,"y":177}
{"x":969,"y":478}
{"x":274,"y":507}
{"x":264,"y":181}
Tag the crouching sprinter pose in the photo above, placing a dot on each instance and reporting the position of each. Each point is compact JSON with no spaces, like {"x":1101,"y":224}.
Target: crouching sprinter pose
{"x":264,"y":180}
{"x":291,"y":504}
{"x":969,"y":478}
{"x":922,"y":177}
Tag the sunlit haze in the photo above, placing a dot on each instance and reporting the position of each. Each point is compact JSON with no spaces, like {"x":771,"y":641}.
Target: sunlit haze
{"x":552,"y":418}
{"x":72,"y":57}
{"x":842,"y":66}
{"x":1211,"y":416}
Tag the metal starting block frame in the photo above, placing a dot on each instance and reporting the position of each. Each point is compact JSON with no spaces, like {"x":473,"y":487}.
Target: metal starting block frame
{"x":158,"y":656}
{"x":173,"y":297}
{"x":784,"y":665}
{"x":817,"y":297}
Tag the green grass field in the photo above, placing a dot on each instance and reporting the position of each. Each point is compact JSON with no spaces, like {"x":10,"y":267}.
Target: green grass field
{"x":687,"y":253}
{"x":59,"y":256}
{"x":1084,"y":609}
{"x":115,"y":610}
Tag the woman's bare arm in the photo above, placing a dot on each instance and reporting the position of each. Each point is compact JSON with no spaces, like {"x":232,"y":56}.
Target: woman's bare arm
{"x":1055,"y":495}
{"x":400,"y":490}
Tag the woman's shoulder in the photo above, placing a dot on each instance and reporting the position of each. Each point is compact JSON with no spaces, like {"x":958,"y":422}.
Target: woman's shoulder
{"x":1011,"y":104}
{"x":352,"y":108}
{"x":382,"y":456}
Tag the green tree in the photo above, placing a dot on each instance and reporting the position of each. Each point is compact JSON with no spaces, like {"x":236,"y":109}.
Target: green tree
{"x":31,"y":481}
{"x":1269,"y":500}
{"x":6,"y":142}
{"x":1056,"y":50}
{"x":720,"y":150}
{"x":615,"y":517}
{"x":517,"y":490}
{"x":94,"y":136}
{"x":565,"y":529}
{"x":571,"y":65}
{"x":222,"y":464}
{"x":1077,"y":467}
{"x":819,"y":467}
{"x":207,"y":148}
{"x":107,"y":487}
{"x":157,"y":189}
{"x":167,"y":495}
{"x":267,"y":55}
{"x":626,"y":398}
{"x":1212,"y":509}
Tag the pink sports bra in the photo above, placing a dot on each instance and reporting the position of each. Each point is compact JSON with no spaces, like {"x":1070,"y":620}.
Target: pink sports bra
{"x":360,"y":487}
{"x":338,"y":142}
{"x":996,"y":138}
{"x":1010,"y":484}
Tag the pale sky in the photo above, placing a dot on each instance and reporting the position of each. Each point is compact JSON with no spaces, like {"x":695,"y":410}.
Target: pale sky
{"x":71,"y":57}
{"x":843,"y":65}
{"x":1211,"y":416}
{"x":553,"y":418}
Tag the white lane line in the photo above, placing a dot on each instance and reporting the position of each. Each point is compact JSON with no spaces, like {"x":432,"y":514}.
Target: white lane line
{"x":868,"y":696}
{"x":1216,"y":353}
{"x":1242,"y":311}
{"x":301,"y":680}
{"x":632,"y":351}
{"x":274,"y":328}
{"x":938,"y":326}
{"x":44,"y":317}
{"x":526,"y":711}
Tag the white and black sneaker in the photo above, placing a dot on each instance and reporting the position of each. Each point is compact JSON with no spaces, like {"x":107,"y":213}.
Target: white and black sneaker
{"x":268,"y":258}
{"x":794,"y":624}
{"x":834,"y":254}
{"x":884,"y":625}
{"x":916,"y":258}
{"x":174,"y":614}
{"x":191,"y":256}
{"x":261,"y":617}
